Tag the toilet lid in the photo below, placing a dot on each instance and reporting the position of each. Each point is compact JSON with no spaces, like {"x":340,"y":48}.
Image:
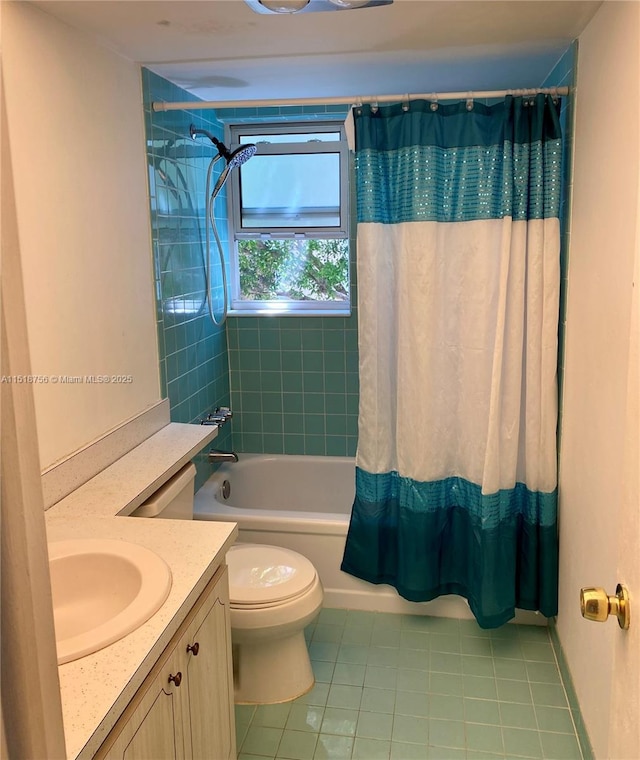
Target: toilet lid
{"x":260,"y":575}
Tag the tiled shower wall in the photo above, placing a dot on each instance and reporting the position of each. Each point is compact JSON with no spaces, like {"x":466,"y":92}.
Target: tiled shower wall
{"x":291,"y":381}
{"x":294,"y":380}
{"x":194,"y":364}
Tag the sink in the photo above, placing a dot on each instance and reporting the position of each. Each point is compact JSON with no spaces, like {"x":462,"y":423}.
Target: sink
{"x":102,"y":590}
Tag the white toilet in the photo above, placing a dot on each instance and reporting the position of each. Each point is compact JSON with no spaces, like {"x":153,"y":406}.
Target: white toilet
{"x":275,"y":593}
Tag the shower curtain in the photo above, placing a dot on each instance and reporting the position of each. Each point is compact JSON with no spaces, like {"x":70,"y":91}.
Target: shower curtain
{"x":458,"y":246}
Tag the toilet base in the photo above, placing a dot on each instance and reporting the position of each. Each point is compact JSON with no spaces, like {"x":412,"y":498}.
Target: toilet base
{"x":268,"y":672}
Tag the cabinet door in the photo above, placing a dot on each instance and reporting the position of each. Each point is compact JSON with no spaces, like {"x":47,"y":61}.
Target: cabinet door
{"x":211,"y":719}
{"x":152,"y":727}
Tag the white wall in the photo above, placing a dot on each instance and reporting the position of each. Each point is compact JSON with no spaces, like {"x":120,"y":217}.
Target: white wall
{"x":601,"y":270}
{"x":76,"y":130}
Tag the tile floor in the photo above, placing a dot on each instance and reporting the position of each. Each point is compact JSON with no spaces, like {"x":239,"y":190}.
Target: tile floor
{"x":403,"y":687}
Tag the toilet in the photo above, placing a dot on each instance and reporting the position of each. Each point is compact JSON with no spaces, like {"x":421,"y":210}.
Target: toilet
{"x":275,"y":593}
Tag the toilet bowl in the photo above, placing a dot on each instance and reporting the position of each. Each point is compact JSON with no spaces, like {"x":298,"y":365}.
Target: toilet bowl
{"x":275,"y":593}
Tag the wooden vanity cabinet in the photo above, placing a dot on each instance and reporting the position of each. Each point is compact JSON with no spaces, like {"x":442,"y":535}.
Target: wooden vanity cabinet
{"x":184,"y":708}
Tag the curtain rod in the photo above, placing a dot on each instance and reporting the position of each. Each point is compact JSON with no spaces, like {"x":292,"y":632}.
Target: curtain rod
{"x":191,"y":105}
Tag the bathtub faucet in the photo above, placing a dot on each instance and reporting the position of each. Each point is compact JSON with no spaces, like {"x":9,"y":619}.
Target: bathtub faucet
{"x":222,"y":456}
{"x":221,"y":415}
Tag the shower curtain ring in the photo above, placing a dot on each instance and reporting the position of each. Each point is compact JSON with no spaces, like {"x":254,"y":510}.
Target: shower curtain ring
{"x":434,"y":102}
{"x":405,"y":103}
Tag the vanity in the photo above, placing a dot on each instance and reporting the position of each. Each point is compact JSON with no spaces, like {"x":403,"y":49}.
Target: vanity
{"x":165,"y":690}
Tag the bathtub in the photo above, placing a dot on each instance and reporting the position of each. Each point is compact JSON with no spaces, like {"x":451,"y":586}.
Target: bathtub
{"x":303,"y":503}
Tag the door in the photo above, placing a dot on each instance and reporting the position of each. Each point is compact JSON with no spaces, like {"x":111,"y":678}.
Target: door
{"x":624,"y":722}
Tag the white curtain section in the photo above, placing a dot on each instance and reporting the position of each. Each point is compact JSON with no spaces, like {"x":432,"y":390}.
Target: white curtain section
{"x":458,"y":350}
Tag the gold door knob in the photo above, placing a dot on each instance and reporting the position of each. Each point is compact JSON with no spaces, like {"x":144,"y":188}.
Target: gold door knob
{"x":596,"y":604}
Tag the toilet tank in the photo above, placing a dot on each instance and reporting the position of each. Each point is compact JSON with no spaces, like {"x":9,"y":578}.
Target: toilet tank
{"x":174,"y":499}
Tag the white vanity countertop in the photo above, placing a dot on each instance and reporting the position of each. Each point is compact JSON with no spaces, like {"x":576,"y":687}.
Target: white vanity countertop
{"x":95,"y":689}
{"x":125,"y":484}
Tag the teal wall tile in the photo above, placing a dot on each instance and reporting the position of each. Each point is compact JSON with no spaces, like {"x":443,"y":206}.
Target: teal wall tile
{"x":194,"y":362}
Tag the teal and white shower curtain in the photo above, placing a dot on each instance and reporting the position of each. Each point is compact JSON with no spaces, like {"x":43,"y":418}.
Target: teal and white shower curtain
{"x":458,"y":249}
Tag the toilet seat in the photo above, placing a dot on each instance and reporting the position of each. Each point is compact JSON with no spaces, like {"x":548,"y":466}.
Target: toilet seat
{"x":265,"y":576}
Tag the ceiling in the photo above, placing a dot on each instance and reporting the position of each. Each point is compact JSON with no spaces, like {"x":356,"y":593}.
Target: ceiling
{"x":222,"y":50}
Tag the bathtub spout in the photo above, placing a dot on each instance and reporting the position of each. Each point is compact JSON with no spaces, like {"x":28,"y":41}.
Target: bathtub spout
{"x":222,"y":456}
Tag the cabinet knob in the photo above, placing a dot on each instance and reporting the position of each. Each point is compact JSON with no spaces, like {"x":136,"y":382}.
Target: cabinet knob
{"x":177,"y":679}
{"x":193,"y":649}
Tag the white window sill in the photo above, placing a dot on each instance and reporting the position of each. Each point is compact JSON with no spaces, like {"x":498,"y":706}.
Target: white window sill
{"x":289,"y":313}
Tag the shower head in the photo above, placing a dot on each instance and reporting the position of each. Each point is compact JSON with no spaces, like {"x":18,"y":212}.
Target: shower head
{"x":233,"y":158}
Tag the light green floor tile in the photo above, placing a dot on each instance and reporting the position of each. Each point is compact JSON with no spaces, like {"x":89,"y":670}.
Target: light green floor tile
{"x":333,"y":616}
{"x":410,"y":729}
{"x":477,"y":666}
{"x":548,"y":694}
{"x":406,"y":687}
{"x":355,"y":654}
{"x":261,"y":740}
{"x":560,"y":746}
{"x":378,"y":700}
{"x":340,"y":721}
{"x":446,"y":733}
{"x":374,"y":725}
{"x":344,"y":696}
{"x":445,"y":662}
{"x":556,"y":719}
{"x":413,"y":680}
{"x":317,"y":696}
{"x":348,"y":674}
{"x":333,"y":747}
{"x":323,"y":671}
{"x":297,"y":745}
{"x":480,"y":687}
{"x":385,"y":637}
{"x":515,"y":670}
{"x":543,"y":672}
{"x":404,"y":751}
{"x":518,"y":715}
{"x":446,"y":706}
{"x":520,"y":742}
{"x":513,"y":691}
{"x":371,"y":749}
{"x":305,"y":718}
{"x":538,"y":651}
{"x":412,"y":703}
{"x":445,"y":683}
{"x":476,"y":646}
{"x":482,"y":711}
{"x":484,"y":738}
{"x":324,"y":650}
{"x":327,"y":633}
{"x":274,"y":716}
{"x":379,"y":677}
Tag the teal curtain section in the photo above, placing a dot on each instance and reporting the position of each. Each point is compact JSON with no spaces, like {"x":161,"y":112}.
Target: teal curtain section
{"x":451,"y":534}
{"x":500,"y":552}
{"x":456,"y":165}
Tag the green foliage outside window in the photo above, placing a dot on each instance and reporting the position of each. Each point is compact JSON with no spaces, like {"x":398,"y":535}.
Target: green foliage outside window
{"x":298,"y":269}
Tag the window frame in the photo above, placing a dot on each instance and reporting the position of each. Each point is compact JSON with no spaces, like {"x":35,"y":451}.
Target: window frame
{"x":240,"y":307}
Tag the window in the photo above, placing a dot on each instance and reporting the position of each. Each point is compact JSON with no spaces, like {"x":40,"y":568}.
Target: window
{"x":289,"y":220}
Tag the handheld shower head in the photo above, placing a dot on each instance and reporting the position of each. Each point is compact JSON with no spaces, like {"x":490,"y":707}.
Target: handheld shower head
{"x":240,"y":155}
{"x":236,"y":158}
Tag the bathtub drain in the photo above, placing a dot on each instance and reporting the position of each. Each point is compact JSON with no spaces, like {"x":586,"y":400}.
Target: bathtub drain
{"x":226,"y":489}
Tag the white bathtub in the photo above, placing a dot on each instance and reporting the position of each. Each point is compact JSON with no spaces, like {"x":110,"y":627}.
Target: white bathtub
{"x":303,"y":503}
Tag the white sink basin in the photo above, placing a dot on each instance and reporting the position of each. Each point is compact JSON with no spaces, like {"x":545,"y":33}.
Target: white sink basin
{"x":102,"y":590}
